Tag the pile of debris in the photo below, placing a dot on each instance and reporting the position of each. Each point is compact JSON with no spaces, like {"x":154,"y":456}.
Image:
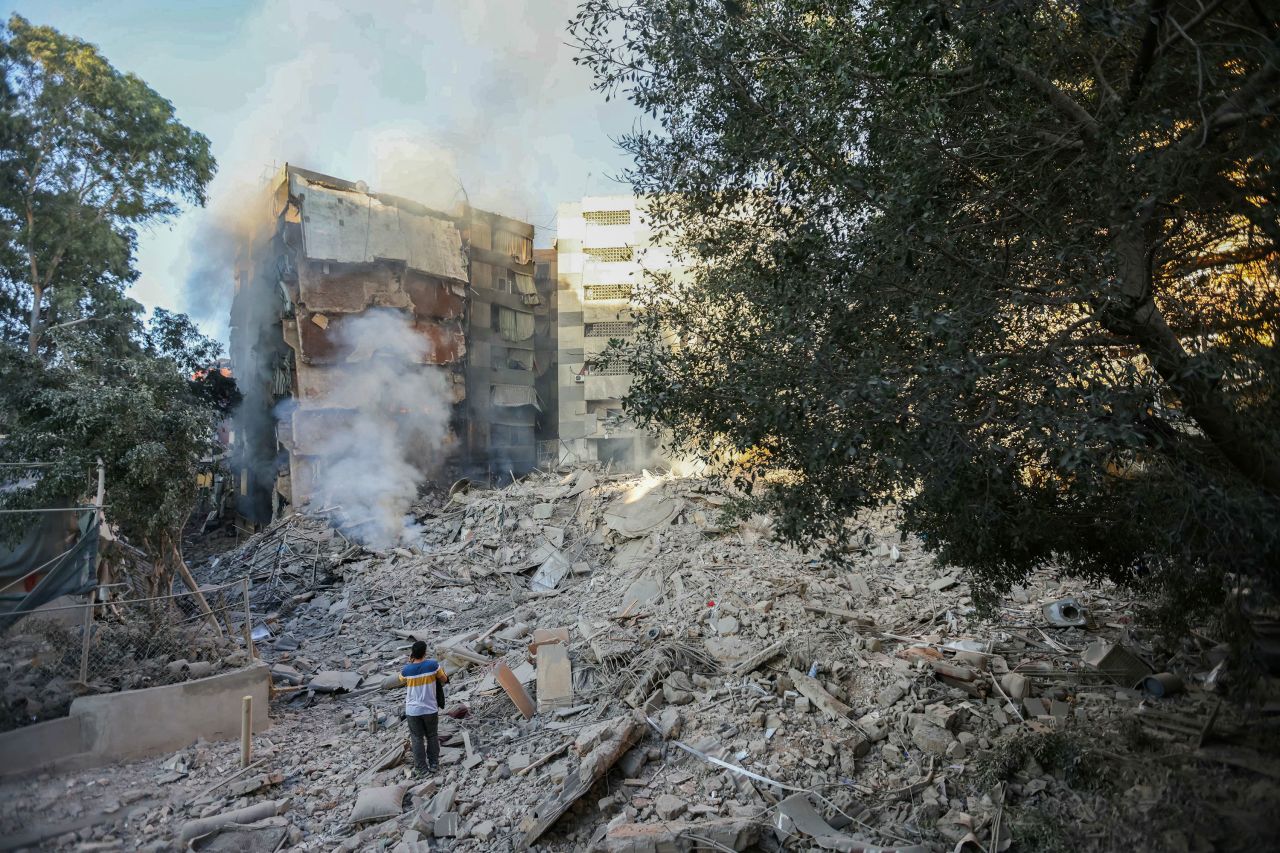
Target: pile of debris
{"x":630,"y":671}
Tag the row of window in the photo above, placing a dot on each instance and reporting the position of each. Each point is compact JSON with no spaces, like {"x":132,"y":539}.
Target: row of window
{"x":510,"y":358}
{"x":607,"y":217}
{"x":610,"y":370}
{"x":518,"y":247}
{"x":610,"y":254}
{"x":609,"y":329}
{"x":511,"y":324}
{"x":600,"y":292}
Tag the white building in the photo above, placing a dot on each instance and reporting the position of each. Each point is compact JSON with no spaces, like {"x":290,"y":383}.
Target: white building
{"x":603,"y":244}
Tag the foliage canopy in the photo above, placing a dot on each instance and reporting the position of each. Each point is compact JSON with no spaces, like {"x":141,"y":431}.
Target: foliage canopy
{"x":89,"y":154}
{"x":1012,"y":265}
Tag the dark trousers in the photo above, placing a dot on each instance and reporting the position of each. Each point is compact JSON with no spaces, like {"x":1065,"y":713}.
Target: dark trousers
{"x":426,"y":726}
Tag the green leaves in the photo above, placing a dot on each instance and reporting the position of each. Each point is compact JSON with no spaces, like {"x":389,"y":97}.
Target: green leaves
{"x":93,"y":154}
{"x":936,"y":260}
{"x":132,"y":406}
{"x":87,"y":156}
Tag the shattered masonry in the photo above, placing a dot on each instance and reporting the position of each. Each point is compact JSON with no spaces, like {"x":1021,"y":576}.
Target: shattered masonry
{"x":630,"y":671}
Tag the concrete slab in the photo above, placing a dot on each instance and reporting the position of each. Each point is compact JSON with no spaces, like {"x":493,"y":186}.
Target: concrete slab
{"x":555,"y":678}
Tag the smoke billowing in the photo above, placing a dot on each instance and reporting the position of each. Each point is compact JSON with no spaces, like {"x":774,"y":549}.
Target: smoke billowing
{"x":477,"y":102}
{"x":397,"y":429}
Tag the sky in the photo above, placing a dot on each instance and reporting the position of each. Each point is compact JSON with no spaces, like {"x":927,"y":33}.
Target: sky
{"x":426,"y":99}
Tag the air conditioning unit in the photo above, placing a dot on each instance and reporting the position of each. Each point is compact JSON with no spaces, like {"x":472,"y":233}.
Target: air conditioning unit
{"x":579,"y":378}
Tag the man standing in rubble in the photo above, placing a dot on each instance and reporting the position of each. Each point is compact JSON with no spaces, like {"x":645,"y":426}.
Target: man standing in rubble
{"x":425,"y":681}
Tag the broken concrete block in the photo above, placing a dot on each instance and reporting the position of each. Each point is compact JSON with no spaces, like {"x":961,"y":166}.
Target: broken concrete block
{"x":545,"y":636}
{"x":639,"y":511}
{"x":890,"y":695}
{"x":555,"y":678}
{"x":585,"y":480}
{"x":1015,"y":685}
{"x":483,"y":830}
{"x":633,"y":762}
{"x":287,"y":674}
{"x":729,"y":651}
{"x":669,"y":723}
{"x":518,"y":762}
{"x":678,"y":689}
{"x":551,"y":571}
{"x":543,"y":511}
{"x":726,"y":625}
{"x":624,"y":731}
{"x":797,"y":814}
{"x":931,"y":738}
{"x":758,"y":659}
{"x":202,"y":826}
{"x":668,"y":807}
{"x":446,"y":825}
{"x":731,"y":833}
{"x":514,"y":632}
{"x":644,"y":589}
{"x":831,"y":707}
{"x":1116,"y":662}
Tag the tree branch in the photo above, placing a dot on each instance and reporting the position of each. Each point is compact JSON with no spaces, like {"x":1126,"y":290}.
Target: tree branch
{"x":1147,"y":52}
{"x":1061,"y":101}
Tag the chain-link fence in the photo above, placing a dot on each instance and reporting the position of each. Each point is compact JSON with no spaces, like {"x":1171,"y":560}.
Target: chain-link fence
{"x":56,"y":654}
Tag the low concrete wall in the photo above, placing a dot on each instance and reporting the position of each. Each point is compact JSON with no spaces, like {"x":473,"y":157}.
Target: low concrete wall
{"x":139,"y":723}
{"x":136,"y":723}
{"x":52,"y":743}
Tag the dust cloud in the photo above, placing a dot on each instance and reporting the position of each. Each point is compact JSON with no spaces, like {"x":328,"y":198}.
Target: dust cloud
{"x":396,"y":430}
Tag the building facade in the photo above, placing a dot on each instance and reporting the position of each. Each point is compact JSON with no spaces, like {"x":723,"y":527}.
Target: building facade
{"x":502,"y":403}
{"x":323,"y":251}
{"x":603,"y":246}
{"x":546,"y":357}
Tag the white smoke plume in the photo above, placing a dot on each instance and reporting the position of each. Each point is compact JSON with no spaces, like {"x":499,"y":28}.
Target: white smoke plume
{"x":398,"y":430}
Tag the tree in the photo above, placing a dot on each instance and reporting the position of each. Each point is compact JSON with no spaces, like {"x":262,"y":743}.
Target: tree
{"x":88,"y":155}
{"x":1017,"y":270}
{"x":137,"y":412}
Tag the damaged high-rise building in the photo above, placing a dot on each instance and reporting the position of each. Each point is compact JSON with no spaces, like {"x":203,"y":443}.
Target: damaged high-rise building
{"x":334,"y":277}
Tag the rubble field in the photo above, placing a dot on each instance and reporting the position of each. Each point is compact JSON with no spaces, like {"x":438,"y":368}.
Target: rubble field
{"x":631,"y":670}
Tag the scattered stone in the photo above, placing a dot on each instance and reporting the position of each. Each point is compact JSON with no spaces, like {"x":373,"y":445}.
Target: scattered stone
{"x":668,"y":807}
{"x":1015,"y":686}
{"x":446,"y":825}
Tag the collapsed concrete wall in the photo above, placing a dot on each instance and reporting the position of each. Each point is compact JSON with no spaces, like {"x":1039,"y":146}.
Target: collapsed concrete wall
{"x":138,"y":723}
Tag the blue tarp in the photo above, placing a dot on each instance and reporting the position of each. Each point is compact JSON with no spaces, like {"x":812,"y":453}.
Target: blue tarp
{"x":63,"y":545}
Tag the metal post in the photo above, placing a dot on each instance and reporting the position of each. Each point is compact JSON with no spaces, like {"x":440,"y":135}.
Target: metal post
{"x":84,"y":641}
{"x":248,"y":622}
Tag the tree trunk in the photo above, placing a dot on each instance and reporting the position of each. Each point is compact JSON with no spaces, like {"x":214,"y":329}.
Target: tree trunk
{"x":1203,"y":400}
{"x":33,"y":335}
